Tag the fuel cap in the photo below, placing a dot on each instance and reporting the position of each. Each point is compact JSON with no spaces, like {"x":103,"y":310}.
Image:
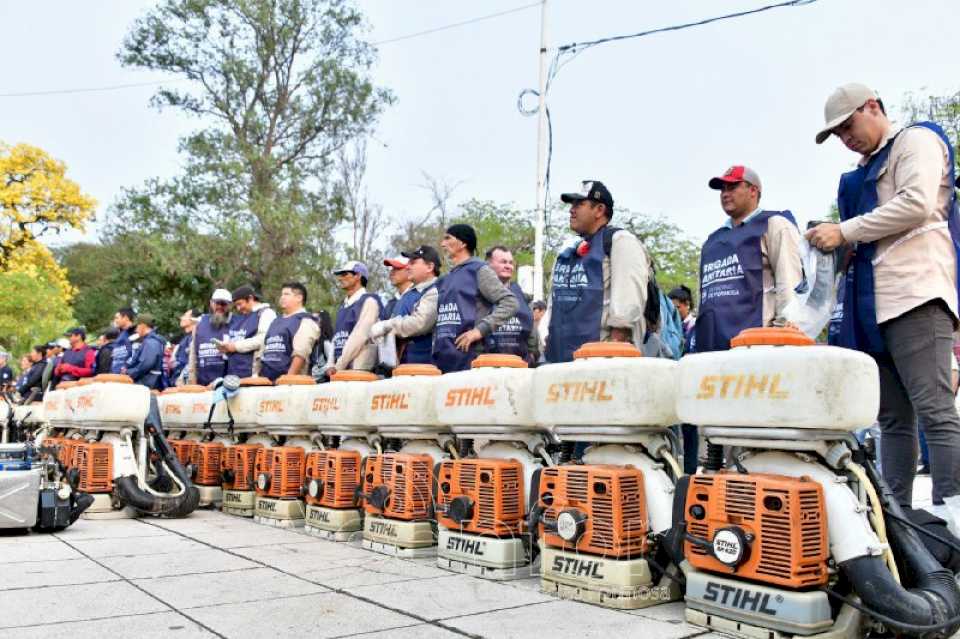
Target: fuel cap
{"x":315,"y":488}
{"x":263,"y":481}
{"x":730,"y":546}
{"x":571,"y":524}
{"x":460,"y":509}
{"x":378,"y":497}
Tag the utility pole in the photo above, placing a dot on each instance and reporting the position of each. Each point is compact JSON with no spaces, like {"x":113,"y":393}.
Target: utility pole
{"x":540,"y":221}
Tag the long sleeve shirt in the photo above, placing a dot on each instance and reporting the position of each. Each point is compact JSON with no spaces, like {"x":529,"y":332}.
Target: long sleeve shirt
{"x":85,"y":370}
{"x":495,"y":302}
{"x":255,"y":342}
{"x":424,"y":315}
{"x":358,"y":353}
{"x":915,"y":261}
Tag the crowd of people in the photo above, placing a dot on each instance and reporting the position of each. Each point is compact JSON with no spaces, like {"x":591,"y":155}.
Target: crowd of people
{"x":897,"y":241}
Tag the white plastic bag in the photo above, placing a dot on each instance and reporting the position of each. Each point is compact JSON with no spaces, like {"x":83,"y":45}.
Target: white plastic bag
{"x":387,"y":350}
{"x":817,"y":294}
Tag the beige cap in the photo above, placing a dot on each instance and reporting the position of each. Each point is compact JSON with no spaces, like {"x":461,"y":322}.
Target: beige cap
{"x":841,"y":104}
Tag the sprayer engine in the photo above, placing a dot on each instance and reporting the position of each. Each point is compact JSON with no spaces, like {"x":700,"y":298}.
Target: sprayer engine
{"x":398,"y":486}
{"x":236,"y":466}
{"x":94,"y":462}
{"x":183,"y":449}
{"x":332,"y":478}
{"x":279,"y":472}
{"x":766,"y":528}
{"x":596,"y":509}
{"x":206,"y":459}
{"x":483,"y":496}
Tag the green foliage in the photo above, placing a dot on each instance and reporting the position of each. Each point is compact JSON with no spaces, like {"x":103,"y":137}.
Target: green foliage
{"x":944,"y":110}
{"x":675,"y":256}
{"x":31,"y":311}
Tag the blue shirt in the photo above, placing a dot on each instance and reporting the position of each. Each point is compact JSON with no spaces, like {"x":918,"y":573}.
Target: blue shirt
{"x":729,"y":222}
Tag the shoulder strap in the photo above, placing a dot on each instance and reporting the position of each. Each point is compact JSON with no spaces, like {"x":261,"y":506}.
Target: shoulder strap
{"x":608,"y":233}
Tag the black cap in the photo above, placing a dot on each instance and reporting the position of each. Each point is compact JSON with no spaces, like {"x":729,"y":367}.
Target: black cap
{"x":243,"y":292}
{"x":76,"y":330}
{"x":425,"y":253}
{"x":111,"y":333}
{"x":466,"y":234}
{"x":590,"y":190}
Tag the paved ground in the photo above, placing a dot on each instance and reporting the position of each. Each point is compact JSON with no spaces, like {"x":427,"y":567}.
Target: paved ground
{"x":216,"y":575}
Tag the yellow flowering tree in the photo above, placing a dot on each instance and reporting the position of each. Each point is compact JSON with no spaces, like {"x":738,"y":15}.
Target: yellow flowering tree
{"x":36,"y":199}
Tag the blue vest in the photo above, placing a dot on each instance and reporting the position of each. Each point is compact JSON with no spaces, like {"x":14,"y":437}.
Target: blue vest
{"x":419,"y":349}
{"x":75,"y":358}
{"x":456,"y":313}
{"x":211,"y":363}
{"x":347,"y":317}
{"x":242,"y":327}
{"x":511,"y":338}
{"x":152,"y":375}
{"x":183,"y":355}
{"x":731,"y":283}
{"x":856,"y":315}
{"x":278,"y":345}
{"x":577,"y":304}
{"x":121,"y":351}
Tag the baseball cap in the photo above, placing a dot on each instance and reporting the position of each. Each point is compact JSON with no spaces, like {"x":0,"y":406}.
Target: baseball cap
{"x":62,"y":343}
{"x":243,"y":292}
{"x":841,"y":104}
{"x":353,"y":266}
{"x":425,"y":253}
{"x":396,"y":262}
{"x":147,"y":319}
{"x":76,"y":330}
{"x":590,"y":190}
{"x":221,"y":295}
{"x":736,"y":173}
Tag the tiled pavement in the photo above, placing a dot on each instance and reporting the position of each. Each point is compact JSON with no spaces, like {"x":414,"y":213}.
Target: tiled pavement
{"x":216,"y":575}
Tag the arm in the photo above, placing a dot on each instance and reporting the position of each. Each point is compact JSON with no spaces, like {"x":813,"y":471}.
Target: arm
{"x":192,"y":361}
{"x":369,"y":314}
{"x":303,"y":342}
{"x":255,"y":343}
{"x":783,"y":252}
{"x":149,"y":357}
{"x":89,"y":360}
{"x":917,"y":175}
{"x":504,"y":304}
{"x":629,"y":273}
{"x":421,"y":320}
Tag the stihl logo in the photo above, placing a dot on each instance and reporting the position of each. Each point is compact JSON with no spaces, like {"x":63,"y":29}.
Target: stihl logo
{"x":319,"y":515}
{"x":469,"y":397}
{"x":325,"y":405}
{"x":171,"y":409}
{"x":199,"y":408}
{"x":267,"y":505}
{"x":271,"y":406}
{"x":738,"y":598}
{"x":745,"y":386}
{"x":391,"y":401}
{"x":51,"y":405}
{"x":383,"y":528}
{"x":231,"y":497}
{"x":578,"y":392}
{"x":577,"y":567}
{"x":85,"y":401}
{"x":466,"y":546}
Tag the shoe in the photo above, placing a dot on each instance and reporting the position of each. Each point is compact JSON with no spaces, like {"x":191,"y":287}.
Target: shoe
{"x":924,"y":470}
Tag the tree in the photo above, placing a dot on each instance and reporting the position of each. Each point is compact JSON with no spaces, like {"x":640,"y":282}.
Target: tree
{"x":364,"y":218}
{"x":281,"y":86}
{"x":36,"y":199}
{"x":944,"y":110}
{"x":675,"y":256}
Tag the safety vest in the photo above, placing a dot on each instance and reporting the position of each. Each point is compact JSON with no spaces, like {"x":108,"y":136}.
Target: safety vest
{"x":511,"y":338}
{"x":278,"y":345}
{"x":347,"y":317}
{"x":242,"y":327}
{"x":419,"y":349}
{"x":731,"y":283}
{"x":211,"y":363}
{"x":74,"y":358}
{"x":121,"y":351}
{"x":577,"y":305}
{"x":456,"y":314}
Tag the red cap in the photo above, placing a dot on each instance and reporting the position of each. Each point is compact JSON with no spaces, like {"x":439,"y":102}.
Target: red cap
{"x":736,"y":173}
{"x":396,"y":262}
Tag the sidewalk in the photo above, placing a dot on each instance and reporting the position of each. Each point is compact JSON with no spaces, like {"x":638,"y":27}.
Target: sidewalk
{"x":217,"y":575}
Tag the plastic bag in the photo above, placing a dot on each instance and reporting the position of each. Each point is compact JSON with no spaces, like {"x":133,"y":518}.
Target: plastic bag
{"x":387,"y":350}
{"x":816,"y":296}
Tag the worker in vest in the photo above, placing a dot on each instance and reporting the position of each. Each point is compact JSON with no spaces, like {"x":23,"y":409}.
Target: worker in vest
{"x":207,"y":362}
{"x":415,"y":315}
{"x":599,"y":286}
{"x":513,"y":336}
{"x":357,"y":314}
{"x":898,"y":212}
{"x":122,"y":346}
{"x":79,"y":360}
{"x":291,"y":336}
{"x":472,"y":303}
{"x":400,"y":280}
{"x":181,"y":355}
{"x":249,"y":324}
{"x":145,"y":366}
{"x":749,"y":268}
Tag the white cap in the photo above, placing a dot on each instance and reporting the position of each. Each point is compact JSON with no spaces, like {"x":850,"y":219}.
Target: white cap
{"x":841,"y":104}
{"x":63,"y":343}
{"x":221,"y":295}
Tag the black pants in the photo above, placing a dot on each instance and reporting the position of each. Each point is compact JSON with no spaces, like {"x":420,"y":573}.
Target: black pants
{"x":915,"y":383}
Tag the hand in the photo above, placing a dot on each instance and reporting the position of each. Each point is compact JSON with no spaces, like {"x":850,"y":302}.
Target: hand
{"x":379,"y":329}
{"x":123,"y":370}
{"x":464,"y":341}
{"x":825,"y":237}
{"x":331,"y":371}
{"x":619,"y":334}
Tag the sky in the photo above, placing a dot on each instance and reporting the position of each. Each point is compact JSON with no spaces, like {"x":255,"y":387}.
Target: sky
{"x":653,"y":118}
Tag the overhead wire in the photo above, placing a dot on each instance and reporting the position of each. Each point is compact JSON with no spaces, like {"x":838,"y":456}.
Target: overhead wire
{"x":458,"y":24}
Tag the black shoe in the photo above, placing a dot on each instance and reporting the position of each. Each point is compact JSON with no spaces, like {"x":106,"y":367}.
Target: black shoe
{"x":924,"y":470}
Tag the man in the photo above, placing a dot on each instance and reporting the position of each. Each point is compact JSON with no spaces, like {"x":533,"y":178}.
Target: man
{"x":290,"y":338}
{"x":539,"y":335}
{"x":248,"y":330}
{"x":900,"y":303}
{"x":358,"y":313}
{"x":415,"y":315}
{"x":599,"y":289}
{"x":471,"y":304}
{"x":105,"y":352}
{"x":122,"y":347}
{"x":6,"y":373}
{"x":32,"y":383}
{"x":682,"y":298}
{"x":400,"y":279}
{"x":207,"y":362}
{"x":145,"y":366}
{"x":79,"y":360}
{"x":749,"y":268}
{"x":512,"y":337}
{"x":181,"y":356}
{"x":55,"y":352}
